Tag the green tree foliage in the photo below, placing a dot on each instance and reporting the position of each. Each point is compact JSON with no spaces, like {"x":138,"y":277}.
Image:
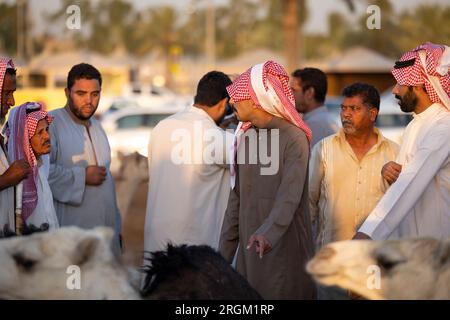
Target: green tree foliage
{"x":8,"y":28}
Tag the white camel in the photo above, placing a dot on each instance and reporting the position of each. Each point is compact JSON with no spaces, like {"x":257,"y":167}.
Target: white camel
{"x":73,"y":263}
{"x":393,"y":269}
{"x":68,"y":263}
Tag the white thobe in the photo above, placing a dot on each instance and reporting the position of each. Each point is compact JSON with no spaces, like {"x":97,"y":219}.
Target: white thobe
{"x":44,"y":211}
{"x":72,"y":150}
{"x":187,"y":197}
{"x":6,"y":197}
{"x":418,"y":203}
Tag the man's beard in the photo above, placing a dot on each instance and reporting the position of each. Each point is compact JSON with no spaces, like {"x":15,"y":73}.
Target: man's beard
{"x":77,"y":113}
{"x":408,"y":102}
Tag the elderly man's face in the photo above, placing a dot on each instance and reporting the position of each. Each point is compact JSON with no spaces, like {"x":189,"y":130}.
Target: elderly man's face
{"x":9,"y":87}
{"x":40,"y":142}
{"x":356,"y":117}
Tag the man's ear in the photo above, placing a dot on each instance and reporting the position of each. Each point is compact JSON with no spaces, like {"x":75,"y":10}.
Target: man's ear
{"x":373,"y":114}
{"x":223,"y":103}
{"x":309,"y":93}
{"x":67,"y":92}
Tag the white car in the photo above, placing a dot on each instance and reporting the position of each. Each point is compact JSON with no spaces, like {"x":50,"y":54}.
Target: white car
{"x":129,"y":129}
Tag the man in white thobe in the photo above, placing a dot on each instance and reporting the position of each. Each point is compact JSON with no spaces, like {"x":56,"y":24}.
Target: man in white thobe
{"x":189,"y":177}
{"x":80,"y":178}
{"x":417,"y":204}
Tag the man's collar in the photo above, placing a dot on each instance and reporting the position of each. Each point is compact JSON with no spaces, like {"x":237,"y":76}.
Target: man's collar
{"x":380,"y":137}
{"x":428,"y":112}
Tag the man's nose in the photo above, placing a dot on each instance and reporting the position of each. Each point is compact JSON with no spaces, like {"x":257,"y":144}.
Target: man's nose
{"x":396,"y":89}
{"x":346,"y":114}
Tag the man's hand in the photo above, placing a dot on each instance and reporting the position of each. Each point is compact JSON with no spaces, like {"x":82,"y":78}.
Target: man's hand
{"x":361,"y":236}
{"x":262,"y":245}
{"x":391,"y":171}
{"x":16,"y":172}
{"x":95,"y":175}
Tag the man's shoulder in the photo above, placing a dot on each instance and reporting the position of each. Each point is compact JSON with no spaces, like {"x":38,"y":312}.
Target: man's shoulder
{"x":293,"y":134}
{"x":392,"y":145}
{"x":59,"y":112}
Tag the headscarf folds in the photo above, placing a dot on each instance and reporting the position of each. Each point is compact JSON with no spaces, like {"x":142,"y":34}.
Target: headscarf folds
{"x":267,"y":85}
{"x":427,"y":65}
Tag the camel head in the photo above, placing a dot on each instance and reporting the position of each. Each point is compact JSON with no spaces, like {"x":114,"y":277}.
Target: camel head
{"x":392,"y":269}
{"x":68,"y":263}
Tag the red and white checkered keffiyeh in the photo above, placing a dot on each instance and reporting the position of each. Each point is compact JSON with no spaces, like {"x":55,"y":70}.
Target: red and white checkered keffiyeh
{"x":20,"y":128}
{"x":267,"y":85}
{"x":5,"y":63}
{"x":430,"y":67}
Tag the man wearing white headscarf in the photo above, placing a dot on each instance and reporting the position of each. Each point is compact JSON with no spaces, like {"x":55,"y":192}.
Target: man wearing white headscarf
{"x":267,"y":218}
{"x":417,"y":204}
{"x":11,"y":173}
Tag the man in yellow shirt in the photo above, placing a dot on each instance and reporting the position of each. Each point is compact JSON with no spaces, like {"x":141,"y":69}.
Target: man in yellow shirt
{"x":345,"y":181}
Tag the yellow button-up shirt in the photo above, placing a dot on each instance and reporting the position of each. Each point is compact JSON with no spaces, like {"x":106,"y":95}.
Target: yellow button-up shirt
{"x":342,"y":189}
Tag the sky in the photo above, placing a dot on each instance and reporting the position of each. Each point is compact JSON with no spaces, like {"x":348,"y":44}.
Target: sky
{"x":317,"y":23}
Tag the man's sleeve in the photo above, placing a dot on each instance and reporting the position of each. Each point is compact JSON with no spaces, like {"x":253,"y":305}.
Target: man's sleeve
{"x":289,"y":194}
{"x":229,"y":236}
{"x":411,"y":183}
{"x":222,"y":158}
{"x":316,"y":173}
{"x":67,"y":184}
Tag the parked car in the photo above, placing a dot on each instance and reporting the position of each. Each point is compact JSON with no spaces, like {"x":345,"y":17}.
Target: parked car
{"x":129,"y":129}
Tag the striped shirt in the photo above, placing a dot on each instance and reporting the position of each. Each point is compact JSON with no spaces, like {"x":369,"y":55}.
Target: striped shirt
{"x":342,"y":189}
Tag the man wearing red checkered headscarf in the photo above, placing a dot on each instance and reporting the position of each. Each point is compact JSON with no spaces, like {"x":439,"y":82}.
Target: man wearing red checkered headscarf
{"x":28,"y":138}
{"x":11,"y":172}
{"x":268,"y":215}
{"x":418,"y":200}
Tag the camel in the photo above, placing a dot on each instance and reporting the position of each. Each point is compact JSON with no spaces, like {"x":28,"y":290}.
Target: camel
{"x":133,"y":171}
{"x":392,"y":269}
{"x":131,"y":187}
{"x":74,"y":263}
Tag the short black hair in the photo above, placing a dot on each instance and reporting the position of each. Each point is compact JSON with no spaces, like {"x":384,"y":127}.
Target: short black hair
{"x":315,"y":78}
{"x":212,"y":88}
{"x":83,"y":71}
{"x":11,"y":71}
{"x":368,"y":93}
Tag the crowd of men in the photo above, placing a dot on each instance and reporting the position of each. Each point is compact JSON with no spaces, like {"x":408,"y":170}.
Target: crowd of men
{"x":267,"y":194}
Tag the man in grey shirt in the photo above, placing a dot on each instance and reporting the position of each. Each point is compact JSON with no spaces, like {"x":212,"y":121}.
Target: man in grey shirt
{"x":310,"y":88}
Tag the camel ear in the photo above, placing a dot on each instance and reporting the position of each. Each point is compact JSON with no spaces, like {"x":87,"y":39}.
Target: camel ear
{"x":85,"y":250}
{"x":120,"y":156}
{"x":443,"y":253}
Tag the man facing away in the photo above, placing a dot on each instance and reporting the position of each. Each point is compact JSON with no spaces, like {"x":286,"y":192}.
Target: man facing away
{"x":11,"y":173}
{"x":267,"y":218}
{"x":80,"y":179}
{"x":189,"y":172}
{"x":345,"y":169}
{"x":418,"y":200}
{"x":310,"y":89}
